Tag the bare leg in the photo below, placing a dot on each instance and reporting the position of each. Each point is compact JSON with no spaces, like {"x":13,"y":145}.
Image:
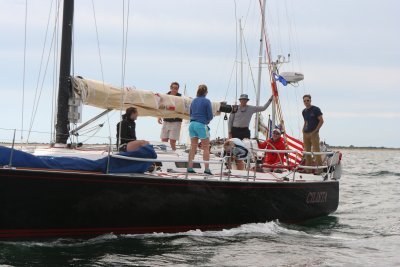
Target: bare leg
{"x":193,"y":147}
{"x":240,"y":164}
{"x":133,"y":145}
{"x":164,"y":139}
{"x":205,"y":144}
{"x":173,"y":144}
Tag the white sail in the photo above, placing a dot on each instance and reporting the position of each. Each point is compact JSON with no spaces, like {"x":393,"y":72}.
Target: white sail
{"x":106,"y":96}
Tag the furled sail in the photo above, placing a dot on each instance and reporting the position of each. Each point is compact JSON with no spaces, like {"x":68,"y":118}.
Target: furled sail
{"x":148,"y":103}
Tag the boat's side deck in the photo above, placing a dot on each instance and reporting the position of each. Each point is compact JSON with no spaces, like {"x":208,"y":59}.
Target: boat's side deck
{"x":235,"y":176}
{"x":172,"y":165}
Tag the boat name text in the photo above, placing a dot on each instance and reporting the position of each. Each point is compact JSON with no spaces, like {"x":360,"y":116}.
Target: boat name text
{"x":317,"y":197}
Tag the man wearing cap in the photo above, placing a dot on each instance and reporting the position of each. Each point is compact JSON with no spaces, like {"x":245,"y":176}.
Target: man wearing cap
{"x":239,"y":121}
{"x":274,"y":143}
{"x":313,"y":121}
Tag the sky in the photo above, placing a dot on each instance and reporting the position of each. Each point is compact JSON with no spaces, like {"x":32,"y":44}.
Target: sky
{"x":348,"y":52}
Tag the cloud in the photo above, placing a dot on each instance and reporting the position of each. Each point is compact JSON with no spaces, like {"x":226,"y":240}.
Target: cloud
{"x":348,"y":51}
{"x":364,"y":115}
{"x":360,"y":78}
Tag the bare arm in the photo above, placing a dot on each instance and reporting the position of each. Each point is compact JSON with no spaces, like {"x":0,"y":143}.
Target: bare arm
{"x":210,"y":115}
{"x":320,"y":122}
{"x":262,"y":108}
{"x":230,"y":123}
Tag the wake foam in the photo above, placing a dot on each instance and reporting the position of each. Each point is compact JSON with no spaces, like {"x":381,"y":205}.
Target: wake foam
{"x":63,"y":242}
{"x":268,"y":229}
{"x":251,"y":229}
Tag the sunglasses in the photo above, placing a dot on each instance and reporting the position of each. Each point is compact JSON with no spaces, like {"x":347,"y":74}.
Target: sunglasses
{"x":306,"y":100}
{"x":276,"y":133}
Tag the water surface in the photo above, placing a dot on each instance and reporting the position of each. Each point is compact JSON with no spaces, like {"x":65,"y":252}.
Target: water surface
{"x":364,"y":231}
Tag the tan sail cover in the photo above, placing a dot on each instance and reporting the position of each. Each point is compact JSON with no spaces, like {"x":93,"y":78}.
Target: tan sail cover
{"x":148,"y":103}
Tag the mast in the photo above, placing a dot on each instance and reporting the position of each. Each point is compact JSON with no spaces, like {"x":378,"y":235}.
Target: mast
{"x":64,"y":88}
{"x":260,"y":59}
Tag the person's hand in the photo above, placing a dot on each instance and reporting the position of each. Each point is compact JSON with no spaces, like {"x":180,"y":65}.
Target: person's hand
{"x":160,"y":120}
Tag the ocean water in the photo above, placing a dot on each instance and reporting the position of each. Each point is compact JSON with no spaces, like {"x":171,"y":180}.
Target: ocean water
{"x":364,"y":231}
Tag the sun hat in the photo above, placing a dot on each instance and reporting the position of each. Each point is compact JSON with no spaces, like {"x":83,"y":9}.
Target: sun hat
{"x":244,"y":96}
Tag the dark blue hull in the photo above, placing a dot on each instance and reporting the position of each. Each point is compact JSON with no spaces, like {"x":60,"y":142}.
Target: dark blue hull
{"x":40,"y":203}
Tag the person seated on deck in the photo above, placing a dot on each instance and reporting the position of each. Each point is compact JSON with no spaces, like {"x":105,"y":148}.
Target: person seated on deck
{"x":126,"y":132}
{"x":274,"y":143}
{"x":237,"y":150}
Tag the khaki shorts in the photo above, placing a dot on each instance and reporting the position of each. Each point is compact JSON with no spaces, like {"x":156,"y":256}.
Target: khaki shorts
{"x":171,"y":130}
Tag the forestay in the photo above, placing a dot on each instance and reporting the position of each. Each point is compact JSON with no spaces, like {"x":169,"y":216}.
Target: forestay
{"x":148,"y":103}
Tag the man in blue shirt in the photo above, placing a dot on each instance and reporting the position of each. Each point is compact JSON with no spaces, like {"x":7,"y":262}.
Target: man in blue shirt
{"x":313,"y":121}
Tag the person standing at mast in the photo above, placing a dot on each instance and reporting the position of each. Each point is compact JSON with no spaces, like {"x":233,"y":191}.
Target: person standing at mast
{"x":239,"y":121}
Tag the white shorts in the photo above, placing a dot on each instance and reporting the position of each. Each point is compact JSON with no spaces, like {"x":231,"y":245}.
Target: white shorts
{"x":171,"y":130}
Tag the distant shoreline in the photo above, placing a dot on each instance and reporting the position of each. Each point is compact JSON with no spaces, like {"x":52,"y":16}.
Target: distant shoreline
{"x":334,"y":147}
{"x":365,"y":147}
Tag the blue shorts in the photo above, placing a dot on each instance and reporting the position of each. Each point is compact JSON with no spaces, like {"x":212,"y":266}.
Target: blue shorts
{"x":199,"y":130}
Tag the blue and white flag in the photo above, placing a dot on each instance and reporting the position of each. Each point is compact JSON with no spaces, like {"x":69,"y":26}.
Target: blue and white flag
{"x":280,"y":79}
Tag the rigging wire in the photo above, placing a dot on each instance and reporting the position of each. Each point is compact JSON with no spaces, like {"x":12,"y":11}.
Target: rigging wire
{"x":37,"y":98}
{"x":98,"y":43}
{"x":271,"y":70}
{"x":100,"y":59}
{"x":125,"y":43}
{"x":278,"y":32}
{"x":250,"y":70}
{"x":247,"y":14}
{"x":226,"y":95}
{"x":40,"y":70}
{"x":95,"y":129}
{"x":55,"y":77}
{"x":47,"y":133}
{"x":252,"y":4}
{"x":125,"y":28}
{"x":98,"y":46}
{"x":236,"y":53}
{"x":299,"y":57}
{"x":23,"y":72}
{"x":268,"y":48}
{"x":234,"y":68}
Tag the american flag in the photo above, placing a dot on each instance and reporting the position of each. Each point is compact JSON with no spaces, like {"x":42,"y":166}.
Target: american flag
{"x":294,"y":144}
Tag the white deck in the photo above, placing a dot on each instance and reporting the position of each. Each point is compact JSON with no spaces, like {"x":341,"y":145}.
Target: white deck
{"x":174,"y":166}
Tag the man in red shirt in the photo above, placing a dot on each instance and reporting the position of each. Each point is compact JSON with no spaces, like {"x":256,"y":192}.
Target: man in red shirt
{"x":274,"y":143}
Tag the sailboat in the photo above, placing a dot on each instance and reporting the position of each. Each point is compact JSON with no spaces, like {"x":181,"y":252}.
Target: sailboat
{"x":75,"y":193}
